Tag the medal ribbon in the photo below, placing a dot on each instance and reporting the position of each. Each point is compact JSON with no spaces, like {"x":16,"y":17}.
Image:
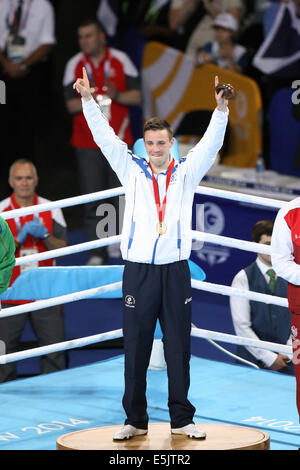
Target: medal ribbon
{"x":106,"y":70}
{"x":162,"y":208}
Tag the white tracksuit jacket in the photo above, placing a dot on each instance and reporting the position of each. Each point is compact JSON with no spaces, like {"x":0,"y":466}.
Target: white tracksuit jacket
{"x":140,"y":241}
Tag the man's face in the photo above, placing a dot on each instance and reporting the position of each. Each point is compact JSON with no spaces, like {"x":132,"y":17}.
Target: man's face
{"x":158,"y":145}
{"x":91,"y":39}
{"x":222,"y":34}
{"x":265,"y":240}
{"x":23,"y":180}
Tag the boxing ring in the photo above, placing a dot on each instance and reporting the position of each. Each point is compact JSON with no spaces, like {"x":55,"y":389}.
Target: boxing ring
{"x":43,"y":412}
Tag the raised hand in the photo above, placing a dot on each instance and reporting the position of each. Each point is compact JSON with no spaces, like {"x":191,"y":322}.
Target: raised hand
{"x":82,"y":86}
{"x":221,"y":102}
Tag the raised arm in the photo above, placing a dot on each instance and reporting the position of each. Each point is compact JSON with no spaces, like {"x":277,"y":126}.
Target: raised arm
{"x":201,"y":157}
{"x":113,"y":148}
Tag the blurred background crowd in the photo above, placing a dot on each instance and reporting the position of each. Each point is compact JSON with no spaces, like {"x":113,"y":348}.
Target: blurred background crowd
{"x":36,"y":122}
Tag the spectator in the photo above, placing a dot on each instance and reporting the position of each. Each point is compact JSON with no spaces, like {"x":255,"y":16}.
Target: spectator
{"x":223,"y":51}
{"x":32,"y":234}
{"x":26,"y":40}
{"x":285,"y":258}
{"x":203,"y":33}
{"x":257,"y":320}
{"x":117,"y":86}
{"x":184,"y":15}
{"x":155,"y":22}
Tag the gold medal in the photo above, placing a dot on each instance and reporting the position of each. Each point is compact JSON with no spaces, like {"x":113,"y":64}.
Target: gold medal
{"x":161,"y":227}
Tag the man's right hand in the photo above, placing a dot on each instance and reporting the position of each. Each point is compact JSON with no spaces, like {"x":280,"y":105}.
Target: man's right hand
{"x":280,"y":362}
{"x":82,"y":86}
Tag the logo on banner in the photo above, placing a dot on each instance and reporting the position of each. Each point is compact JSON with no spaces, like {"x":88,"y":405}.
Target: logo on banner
{"x":214,"y":222}
{"x":130,"y":301}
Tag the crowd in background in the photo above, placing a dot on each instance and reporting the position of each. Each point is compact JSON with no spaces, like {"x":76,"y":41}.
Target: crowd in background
{"x":36,"y":124}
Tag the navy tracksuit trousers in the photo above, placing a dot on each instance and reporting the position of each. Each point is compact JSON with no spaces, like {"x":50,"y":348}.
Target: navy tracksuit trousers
{"x":152,"y":292}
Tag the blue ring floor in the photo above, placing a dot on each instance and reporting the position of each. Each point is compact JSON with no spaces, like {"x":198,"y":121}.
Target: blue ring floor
{"x":36,"y":411}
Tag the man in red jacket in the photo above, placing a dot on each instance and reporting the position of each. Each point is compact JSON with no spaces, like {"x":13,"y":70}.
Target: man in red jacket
{"x":285,"y":254}
{"x":32,"y":234}
{"x":117,"y":86}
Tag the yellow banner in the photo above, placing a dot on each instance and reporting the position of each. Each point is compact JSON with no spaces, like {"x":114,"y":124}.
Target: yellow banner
{"x":174,"y":87}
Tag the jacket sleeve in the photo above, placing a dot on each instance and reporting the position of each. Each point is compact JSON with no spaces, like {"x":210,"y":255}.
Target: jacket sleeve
{"x":113,"y":148}
{"x":201,"y":157}
{"x":7,"y":255}
{"x":282,"y":250}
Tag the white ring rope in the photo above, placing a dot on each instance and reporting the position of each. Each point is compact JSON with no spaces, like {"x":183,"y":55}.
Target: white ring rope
{"x":232,"y":355}
{"x":84,"y":294}
{"x":73,"y":201}
{"x":240,"y":340}
{"x":197,"y":332}
{"x":69,"y":250}
{"x":62,"y":299}
{"x":231,"y":242}
{"x":239,"y":197}
{"x":201,"y":236}
{"x":248,"y":294}
{"x":73,"y":343}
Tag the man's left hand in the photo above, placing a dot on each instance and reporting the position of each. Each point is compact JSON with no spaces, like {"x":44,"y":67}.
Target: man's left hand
{"x":221,"y":102}
{"x":36,"y":228}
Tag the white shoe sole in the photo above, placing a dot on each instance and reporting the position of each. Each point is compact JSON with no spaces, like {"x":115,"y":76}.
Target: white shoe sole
{"x":190,"y":436}
{"x":126,"y":438}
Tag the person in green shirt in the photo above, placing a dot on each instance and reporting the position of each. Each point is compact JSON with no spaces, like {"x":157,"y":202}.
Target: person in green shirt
{"x":7,"y":255}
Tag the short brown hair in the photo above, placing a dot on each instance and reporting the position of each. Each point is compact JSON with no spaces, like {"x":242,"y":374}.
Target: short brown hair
{"x":157,"y":124}
{"x":91,"y":20}
{"x":262,"y":227}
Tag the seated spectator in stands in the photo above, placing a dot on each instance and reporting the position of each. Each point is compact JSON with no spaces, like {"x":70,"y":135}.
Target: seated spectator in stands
{"x":26,"y":39}
{"x":251,"y":28}
{"x":204,"y":33}
{"x":32,"y":234}
{"x":223,"y":51}
{"x":184,"y":16}
{"x":258,"y":320}
{"x":154,"y":22}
